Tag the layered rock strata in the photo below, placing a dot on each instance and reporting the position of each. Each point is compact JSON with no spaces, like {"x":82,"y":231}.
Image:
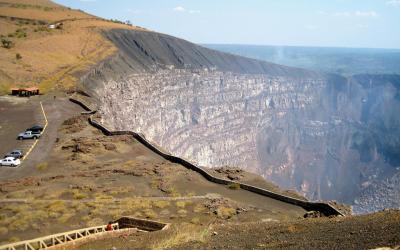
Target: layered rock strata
{"x":324,"y":135}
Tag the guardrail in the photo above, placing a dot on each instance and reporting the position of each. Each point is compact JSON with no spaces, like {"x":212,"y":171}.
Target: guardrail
{"x":57,"y":239}
{"x":142,"y":224}
{"x":67,"y":239}
{"x":324,"y":208}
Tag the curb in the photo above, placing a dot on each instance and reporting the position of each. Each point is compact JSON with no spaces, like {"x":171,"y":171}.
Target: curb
{"x":37,"y":140}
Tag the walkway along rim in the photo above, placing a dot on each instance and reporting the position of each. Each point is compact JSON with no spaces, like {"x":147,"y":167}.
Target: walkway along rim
{"x":122,"y":225}
{"x":324,"y":208}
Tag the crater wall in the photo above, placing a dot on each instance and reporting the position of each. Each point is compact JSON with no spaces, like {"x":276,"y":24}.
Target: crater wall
{"x":327,"y":136}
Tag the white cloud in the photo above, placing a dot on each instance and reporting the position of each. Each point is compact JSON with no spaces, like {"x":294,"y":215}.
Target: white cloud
{"x":342,"y":14}
{"x":179,"y":9}
{"x":366,"y":13}
{"x":357,"y":13}
{"x":394,"y":3}
{"x":182,"y":9}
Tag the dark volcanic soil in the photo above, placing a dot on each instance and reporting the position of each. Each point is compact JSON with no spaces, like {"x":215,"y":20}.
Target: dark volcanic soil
{"x":358,"y":232}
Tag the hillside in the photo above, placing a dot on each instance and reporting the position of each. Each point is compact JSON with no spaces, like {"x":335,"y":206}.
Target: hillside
{"x":49,"y":58}
{"x":240,"y":119}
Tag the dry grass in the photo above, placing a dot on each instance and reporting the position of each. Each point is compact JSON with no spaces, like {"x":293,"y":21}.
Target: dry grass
{"x":234,"y":186}
{"x":78,"y":195}
{"x":182,"y":204}
{"x":150,"y":214}
{"x":225,"y":212}
{"x":13,"y":239}
{"x":51,"y":58}
{"x":180,"y":234}
{"x":42,"y":166}
{"x":161,"y":204}
{"x":65,"y":217}
{"x":195,"y":220}
{"x":199,"y":208}
{"x":130,"y":164}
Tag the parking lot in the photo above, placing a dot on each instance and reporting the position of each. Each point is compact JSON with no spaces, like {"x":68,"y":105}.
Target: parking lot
{"x":16,"y":115}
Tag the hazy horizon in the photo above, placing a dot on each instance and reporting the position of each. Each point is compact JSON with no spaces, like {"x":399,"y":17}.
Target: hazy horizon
{"x":337,"y":23}
{"x":344,"y":61}
{"x":300,"y":46}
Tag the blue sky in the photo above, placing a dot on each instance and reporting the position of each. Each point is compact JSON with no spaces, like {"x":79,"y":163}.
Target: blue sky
{"x":330,"y":23}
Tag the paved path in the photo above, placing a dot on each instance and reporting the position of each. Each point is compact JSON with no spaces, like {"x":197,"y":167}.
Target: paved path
{"x":198,"y":197}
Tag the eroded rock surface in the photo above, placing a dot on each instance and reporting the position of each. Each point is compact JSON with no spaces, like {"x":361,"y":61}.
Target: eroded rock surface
{"x":325,"y":135}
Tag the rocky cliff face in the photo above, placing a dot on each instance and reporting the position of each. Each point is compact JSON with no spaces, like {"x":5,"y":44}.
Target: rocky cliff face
{"x":325,"y":135}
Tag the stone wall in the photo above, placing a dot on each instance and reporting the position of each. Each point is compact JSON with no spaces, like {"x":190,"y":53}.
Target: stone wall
{"x":324,"y":137}
{"x":324,"y":208}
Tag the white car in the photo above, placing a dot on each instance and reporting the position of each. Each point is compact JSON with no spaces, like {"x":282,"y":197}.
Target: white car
{"x":10,"y":161}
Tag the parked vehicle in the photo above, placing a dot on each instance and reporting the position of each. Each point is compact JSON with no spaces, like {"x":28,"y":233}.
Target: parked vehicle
{"x":17,"y":154}
{"x":35,"y":128}
{"x":28,"y":135}
{"x":10,"y":161}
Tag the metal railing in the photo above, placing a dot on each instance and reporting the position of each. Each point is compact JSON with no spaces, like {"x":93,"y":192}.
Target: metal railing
{"x":57,"y":239}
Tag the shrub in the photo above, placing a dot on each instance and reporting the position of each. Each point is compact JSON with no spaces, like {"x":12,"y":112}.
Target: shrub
{"x":42,"y":166}
{"x":150,"y":214}
{"x":198,"y":208}
{"x":234,"y":186}
{"x":79,"y":196}
{"x":180,"y":234}
{"x":65,"y":217}
{"x":19,"y":224}
{"x":182,"y":212}
{"x":56,"y":207}
{"x":225,"y":212}
{"x":182,"y":204}
{"x":195,"y":220}
{"x":13,"y":239}
{"x":5,"y":43}
{"x":18,"y":56}
{"x":161,"y":204}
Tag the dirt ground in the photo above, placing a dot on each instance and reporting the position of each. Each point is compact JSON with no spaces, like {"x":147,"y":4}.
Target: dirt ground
{"x":77,"y":177}
{"x":354,"y":232}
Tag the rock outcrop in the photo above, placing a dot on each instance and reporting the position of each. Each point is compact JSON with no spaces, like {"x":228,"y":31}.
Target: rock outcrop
{"x":324,"y":135}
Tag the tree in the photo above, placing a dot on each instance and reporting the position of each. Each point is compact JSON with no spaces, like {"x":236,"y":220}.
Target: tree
{"x":6,"y":43}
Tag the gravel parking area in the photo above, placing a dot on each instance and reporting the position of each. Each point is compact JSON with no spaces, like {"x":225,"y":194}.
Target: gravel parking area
{"x":16,"y":115}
